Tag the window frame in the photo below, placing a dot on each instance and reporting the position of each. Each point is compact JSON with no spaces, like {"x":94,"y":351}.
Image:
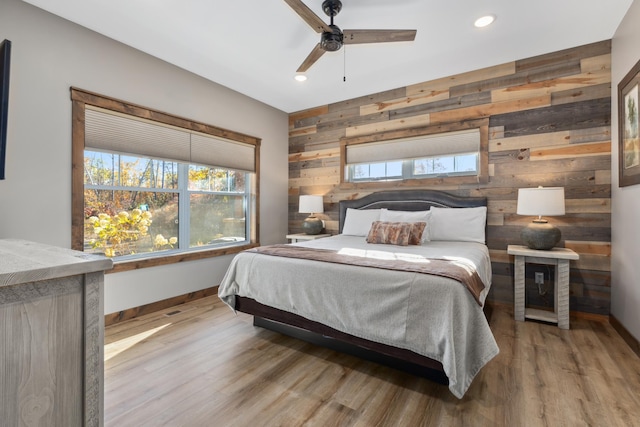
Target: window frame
{"x":482,"y":176}
{"x":80,"y":99}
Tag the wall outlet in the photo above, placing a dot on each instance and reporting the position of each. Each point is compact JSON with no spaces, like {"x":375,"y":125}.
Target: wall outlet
{"x":539,"y":278}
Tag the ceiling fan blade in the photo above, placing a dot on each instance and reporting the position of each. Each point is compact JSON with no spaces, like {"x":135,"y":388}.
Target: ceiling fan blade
{"x":315,"y":54}
{"x":378,"y":36}
{"x":307,"y":14}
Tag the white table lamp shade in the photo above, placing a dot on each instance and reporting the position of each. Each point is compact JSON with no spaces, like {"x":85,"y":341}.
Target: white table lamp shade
{"x":541,"y":201}
{"x":311,"y":204}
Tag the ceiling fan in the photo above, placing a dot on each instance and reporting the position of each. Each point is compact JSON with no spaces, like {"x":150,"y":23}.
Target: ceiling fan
{"x":332,"y":38}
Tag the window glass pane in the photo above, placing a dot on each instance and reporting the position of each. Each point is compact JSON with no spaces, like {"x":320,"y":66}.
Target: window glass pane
{"x":121,"y":170}
{"x":443,"y":165}
{"x":446,"y":165}
{"x":216,"y":219}
{"x":360,"y":171}
{"x":119,"y":223}
{"x":422,"y":166}
{"x":203,"y":178}
{"x":394,"y":169}
{"x":100,"y":168}
{"x":467,"y":163}
{"x":377,"y":170}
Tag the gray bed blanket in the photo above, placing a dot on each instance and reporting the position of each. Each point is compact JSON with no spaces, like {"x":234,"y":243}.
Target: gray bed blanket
{"x":439,"y":267}
{"x":431,"y":315}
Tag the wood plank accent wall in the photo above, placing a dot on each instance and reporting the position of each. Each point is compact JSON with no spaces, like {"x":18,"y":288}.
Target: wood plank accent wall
{"x":549,"y":124}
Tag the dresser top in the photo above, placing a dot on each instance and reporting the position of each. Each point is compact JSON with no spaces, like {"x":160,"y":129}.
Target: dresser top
{"x":22,"y":261}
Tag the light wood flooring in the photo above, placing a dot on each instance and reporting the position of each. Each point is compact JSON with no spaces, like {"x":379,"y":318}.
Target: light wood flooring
{"x":205,"y":366}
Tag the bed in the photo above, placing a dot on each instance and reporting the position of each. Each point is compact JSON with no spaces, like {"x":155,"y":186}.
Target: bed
{"x":334,"y":291}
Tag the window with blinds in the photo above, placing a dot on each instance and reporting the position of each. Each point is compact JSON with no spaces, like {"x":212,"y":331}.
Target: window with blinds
{"x":447,"y":154}
{"x":152,"y":189}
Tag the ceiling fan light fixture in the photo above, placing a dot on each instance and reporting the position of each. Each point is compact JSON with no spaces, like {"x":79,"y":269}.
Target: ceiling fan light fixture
{"x":484,"y":21}
{"x":300,"y":77}
{"x":332,"y":42}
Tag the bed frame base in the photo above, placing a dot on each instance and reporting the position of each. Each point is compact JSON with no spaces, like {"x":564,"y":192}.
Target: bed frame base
{"x":318,"y":334}
{"x":353,"y":350}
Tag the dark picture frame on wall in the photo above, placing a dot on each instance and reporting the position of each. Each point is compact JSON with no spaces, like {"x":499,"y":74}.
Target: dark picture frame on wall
{"x":5,"y":65}
{"x":628,"y":128}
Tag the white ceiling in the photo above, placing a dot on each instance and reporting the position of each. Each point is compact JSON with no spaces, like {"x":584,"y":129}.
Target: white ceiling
{"x":255,"y":46}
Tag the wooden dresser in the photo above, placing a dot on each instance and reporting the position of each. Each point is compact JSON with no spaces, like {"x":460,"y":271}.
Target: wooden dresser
{"x":51,"y":335}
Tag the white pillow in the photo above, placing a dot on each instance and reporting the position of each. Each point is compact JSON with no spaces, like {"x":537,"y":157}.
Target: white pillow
{"x":358,"y":222}
{"x":459,"y":224}
{"x":409,"y":216}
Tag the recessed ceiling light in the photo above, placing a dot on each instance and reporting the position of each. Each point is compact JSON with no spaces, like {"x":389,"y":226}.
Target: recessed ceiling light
{"x":484,"y":21}
{"x":300,"y":77}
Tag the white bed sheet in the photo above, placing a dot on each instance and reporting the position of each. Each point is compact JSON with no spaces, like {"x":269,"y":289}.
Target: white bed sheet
{"x":431,"y":315}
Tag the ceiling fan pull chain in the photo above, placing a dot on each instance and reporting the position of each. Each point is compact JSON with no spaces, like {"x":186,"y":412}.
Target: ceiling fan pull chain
{"x":344,"y":64}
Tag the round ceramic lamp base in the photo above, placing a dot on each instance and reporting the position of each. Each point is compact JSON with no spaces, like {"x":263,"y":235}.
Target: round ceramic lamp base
{"x":312,"y":225}
{"x":540,"y":235}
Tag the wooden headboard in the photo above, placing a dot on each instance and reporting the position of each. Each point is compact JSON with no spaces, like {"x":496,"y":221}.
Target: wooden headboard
{"x":409,"y":200}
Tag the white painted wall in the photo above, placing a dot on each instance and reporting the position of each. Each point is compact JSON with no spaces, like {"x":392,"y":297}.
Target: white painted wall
{"x":50,"y":54}
{"x":625,"y":201}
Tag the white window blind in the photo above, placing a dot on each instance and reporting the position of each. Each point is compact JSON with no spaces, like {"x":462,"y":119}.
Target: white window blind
{"x":207,"y":150}
{"x":450,"y":143}
{"x":108,"y":131}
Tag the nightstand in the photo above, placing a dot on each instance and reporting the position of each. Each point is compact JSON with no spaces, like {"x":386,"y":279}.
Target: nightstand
{"x":300,"y":237}
{"x":558,"y":257}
